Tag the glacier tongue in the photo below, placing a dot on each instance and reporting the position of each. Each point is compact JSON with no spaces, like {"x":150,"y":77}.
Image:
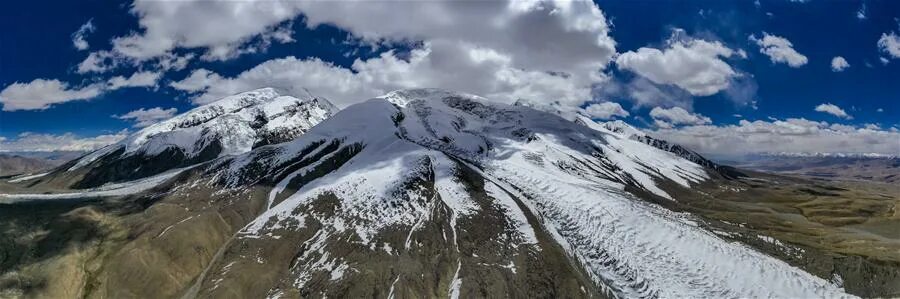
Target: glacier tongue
{"x":642,"y":250}
{"x":572,"y":177}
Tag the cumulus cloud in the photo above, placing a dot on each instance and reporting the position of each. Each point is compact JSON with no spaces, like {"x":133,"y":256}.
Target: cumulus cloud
{"x":33,"y":142}
{"x":606,"y":110}
{"x":281,"y":34}
{"x":833,"y":110}
{"x":838,"y":64}
{"x":145,"y":117}
{"x":790,"y":135}
{"x":542,"y":50}
{"x":42,"y":93}
{"x":644,"y":93}
{"x":547,"y":33}
{"x":457,"y":66}
{"x":98,"y":62}
{"x":220,"y":27}
{"x":694,"y":65}
{"x":174,"y":62}
{"x":566,"y":36}
{"x":889,"y":43}
{"x":137,"y":79}
{"x":337,"y":84}
{"x":78,"y":37}
{"x":668,"y":118}
{"x":779,"y":50}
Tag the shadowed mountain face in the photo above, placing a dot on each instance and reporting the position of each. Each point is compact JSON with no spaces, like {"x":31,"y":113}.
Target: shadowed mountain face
{"x":431,"y":193}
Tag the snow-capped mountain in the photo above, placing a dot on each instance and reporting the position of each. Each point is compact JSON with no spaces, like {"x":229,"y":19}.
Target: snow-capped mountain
{"x":424,"y":193}
{"x":433,"y":193}
{"x":232,"y":125}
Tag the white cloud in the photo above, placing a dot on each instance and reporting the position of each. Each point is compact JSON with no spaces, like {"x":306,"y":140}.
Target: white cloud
{"x":838,"y":64}
{"x":693,"y":65}
{"x":889,"y":43}
{"x":668,"y":118}
{"x":861,"y":13}
{"x":33,"y":142}
{"x":281,"y":34}
{"x":456,"y":66}
{"x":790,"y":135}
{"x":78,"y":37}
{"x":98,"y":62}
{"x":779,"y":50}
{"x":833,"y":110}
{"x":199,"y":80}
{"x":220,"y":27}
{"x":645,"y":93}
{"x":103,"y":61}
{"x":224,"y":29}
{"x":606,"y":110}
{"x":563,"y":36}
{"x":174,"y":62}
{"x":137,"y":79}
{"x":337,"y":84}
{"x":41,"y":93}
{"x":145,"y":117}
{"x":544,"y":50}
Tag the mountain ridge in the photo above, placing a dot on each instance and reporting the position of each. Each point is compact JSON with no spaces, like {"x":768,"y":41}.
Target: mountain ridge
{"x":229,"y":126}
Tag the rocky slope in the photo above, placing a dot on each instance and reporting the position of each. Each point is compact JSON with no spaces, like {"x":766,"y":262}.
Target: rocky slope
{"x":419,"y":193}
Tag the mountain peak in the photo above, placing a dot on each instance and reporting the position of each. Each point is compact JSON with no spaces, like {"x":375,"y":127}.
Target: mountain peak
{"x":231,"y":125}
{"x":401,"y":97}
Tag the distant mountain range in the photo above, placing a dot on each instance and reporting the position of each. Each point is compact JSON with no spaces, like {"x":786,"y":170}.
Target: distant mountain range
{"x":870,"y":167}
{"x":830,"y":155}
{"x":15,"y":164}
{"x":24,"y":163}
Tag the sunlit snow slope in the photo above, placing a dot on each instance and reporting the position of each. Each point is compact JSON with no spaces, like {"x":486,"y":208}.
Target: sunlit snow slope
{"x":397,"y":174}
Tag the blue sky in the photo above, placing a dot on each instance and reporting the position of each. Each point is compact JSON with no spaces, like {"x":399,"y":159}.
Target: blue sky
{"x":717,"y":79}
